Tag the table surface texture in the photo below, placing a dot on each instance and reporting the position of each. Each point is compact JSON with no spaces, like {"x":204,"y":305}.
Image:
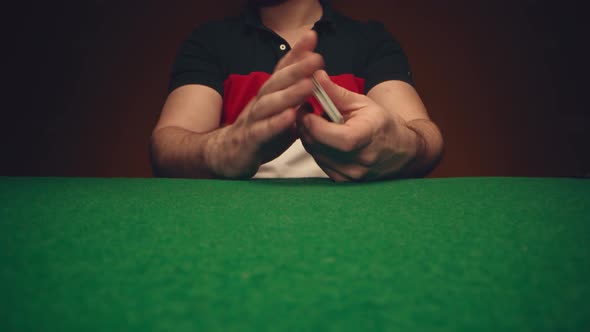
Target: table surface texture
{"x":454,"y":254}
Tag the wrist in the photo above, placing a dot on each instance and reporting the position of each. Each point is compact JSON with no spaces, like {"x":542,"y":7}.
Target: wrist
{"x":213,"y":152}
{"x":226,"y":156}
{"x":416,"y":149}
{"x":428,"y":147}
{"x":418,"y":141}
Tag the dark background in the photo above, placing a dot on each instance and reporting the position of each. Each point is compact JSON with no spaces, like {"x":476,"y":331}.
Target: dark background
{"x":505,"y":81}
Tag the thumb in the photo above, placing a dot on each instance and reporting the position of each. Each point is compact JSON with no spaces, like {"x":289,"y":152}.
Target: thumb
{"x":344,"y":99}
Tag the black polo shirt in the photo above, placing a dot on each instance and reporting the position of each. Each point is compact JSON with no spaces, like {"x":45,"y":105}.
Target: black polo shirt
{"x":237,"y":55}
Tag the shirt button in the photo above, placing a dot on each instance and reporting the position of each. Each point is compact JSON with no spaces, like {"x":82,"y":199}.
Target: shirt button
{"x":283,"y":47}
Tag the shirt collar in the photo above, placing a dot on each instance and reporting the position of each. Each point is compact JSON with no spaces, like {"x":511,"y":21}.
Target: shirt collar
{"x":251,"y":16}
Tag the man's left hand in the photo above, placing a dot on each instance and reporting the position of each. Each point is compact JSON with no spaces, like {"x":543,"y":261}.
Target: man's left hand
{"x":372,"y":143}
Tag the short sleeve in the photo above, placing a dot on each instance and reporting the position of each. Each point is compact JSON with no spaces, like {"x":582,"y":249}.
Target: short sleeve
{"x":386,"y":60}
{"x":197,"y":62}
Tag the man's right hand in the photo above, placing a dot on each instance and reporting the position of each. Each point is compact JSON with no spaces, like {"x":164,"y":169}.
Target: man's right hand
{"x":263,"y":130}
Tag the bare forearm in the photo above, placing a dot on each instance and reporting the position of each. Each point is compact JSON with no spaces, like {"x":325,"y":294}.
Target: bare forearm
{"x":177,"y":152}
{"x":221,"y":153}
{"x":429,"y":148}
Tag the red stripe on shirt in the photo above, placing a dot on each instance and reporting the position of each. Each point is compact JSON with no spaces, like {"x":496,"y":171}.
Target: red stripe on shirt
{"x":239,"y":90}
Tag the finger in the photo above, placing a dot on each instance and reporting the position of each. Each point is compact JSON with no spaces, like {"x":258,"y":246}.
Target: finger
{"x":264,"y":130}
{"x":316,"y":148}
{"x":302,"y":111}
{"x":289,"y":75}
{"x":334,"y":174}
{"x":339,"y":166}
{"x":344,"y":138}
{"x":344,"y":99}
{"x":305,"y":45}
{"x":349,"y":170}
{"x":275,"y":103}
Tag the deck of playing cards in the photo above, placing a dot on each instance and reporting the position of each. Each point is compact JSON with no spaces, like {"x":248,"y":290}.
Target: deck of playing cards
{"x":326,"y":102}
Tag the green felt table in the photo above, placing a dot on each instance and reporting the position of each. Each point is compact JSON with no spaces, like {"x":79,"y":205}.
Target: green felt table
{"x":456,"y":254}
